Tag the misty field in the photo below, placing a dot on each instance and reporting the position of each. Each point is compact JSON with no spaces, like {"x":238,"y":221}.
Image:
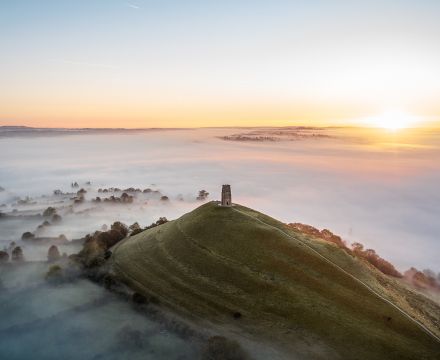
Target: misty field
{"x":378,"y":189}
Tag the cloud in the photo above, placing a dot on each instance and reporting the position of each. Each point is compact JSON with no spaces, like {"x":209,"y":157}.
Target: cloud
{"x":133,"y":6}
{"x":84,"y":64}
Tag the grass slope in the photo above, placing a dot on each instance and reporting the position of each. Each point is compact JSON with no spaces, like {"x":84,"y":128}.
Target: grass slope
{"x":215,"y":261}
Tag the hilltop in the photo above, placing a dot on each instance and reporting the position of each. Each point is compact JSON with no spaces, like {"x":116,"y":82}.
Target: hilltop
{"x":233,"y":265}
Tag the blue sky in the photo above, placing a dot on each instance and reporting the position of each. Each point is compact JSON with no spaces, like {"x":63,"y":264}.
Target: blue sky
{"x":228,"y":62}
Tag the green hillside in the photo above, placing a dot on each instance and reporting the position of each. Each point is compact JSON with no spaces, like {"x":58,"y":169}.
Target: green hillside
{"x":218,"y":261}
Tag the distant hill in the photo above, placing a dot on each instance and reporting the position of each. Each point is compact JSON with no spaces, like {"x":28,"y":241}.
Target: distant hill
{"x":233,"y":265}
{"x":26,"y":131}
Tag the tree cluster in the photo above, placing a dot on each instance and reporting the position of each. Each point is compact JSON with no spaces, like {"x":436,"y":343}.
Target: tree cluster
{"x":203,"y":195}
{"x":136,"y":229}
{"x":124,"y":199}
{"x":50,"y":211}
{"x":53,"y":254}
{"x":374,"y":259}
{"x":325,"y":234}
{"x":357,"y":249}
{"x":98,"y":243}
{"x":426,"y":279}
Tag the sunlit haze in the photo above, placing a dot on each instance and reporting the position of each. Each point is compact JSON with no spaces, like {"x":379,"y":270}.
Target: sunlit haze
{"x":219,"y":180}
{"x":148,"y":63}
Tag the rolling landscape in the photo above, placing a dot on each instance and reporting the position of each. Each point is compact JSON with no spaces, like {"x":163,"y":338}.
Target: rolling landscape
{"x":217,"y":263}
{"x":219,"y":180}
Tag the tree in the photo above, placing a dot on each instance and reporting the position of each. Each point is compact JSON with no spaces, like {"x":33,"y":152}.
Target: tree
{"x":221,"y":348}
{"x":135,"y":229}
{"x":161,"y":221}
{"x":4,"y":257}
{"x":357,"y":247}
{"x":203,"y":194}
{"x":53,"y":254}
{"x":17,"y":254}
{"x":125,"y":198}
{"x":49,"y":211}
{"x":121,"y":228}
{"x":27,"y":236}
{"x":62,"y":238}
{"x":55,"y":274}
{"x":56,"y":219}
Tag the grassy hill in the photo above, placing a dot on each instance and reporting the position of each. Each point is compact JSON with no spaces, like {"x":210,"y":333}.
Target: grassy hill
{"x":215,"y":262}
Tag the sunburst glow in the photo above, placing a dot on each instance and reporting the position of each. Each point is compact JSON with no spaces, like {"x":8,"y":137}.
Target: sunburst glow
{"x":392,"y":120}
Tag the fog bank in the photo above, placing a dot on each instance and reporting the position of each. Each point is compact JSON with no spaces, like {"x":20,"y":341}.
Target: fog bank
{"x":380,"y":189}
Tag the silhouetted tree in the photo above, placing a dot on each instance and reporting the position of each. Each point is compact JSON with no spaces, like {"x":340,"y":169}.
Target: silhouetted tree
{"x":56,"y":218}
{"x":4,"y":257}
{"x":55,"y":274}
{"x":135,"y":229}
{"x":221,"y":348}
{"x":17,"y":254}
{"x":49,"y":211}
{"x":53,"y":254}
{"x":203,"y":195}
{"x":27,"y":236}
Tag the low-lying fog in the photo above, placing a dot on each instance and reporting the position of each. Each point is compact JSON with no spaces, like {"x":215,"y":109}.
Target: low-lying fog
{"x":78,"y":320}
{"x":376,"y":187}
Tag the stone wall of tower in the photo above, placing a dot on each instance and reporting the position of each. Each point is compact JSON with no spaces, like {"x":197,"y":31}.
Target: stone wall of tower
{"x":226,"y":195}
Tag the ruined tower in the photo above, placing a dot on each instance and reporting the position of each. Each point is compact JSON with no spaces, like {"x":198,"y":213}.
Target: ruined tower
{"x":226,"y":195}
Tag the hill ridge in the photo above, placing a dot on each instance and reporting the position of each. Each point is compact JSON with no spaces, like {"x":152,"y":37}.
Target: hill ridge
{"x":423,"y":327}
{"x":215,"y":261}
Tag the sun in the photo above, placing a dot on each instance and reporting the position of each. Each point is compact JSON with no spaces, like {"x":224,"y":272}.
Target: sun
{"x":392,"y":120}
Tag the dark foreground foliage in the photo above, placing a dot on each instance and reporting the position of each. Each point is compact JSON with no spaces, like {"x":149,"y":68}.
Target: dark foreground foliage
{"x":221,"y":348}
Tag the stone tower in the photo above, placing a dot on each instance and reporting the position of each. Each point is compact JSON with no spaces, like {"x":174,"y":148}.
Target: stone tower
{"x":226,"y":195}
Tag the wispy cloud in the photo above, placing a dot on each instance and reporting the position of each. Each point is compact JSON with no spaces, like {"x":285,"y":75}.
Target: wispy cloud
{"x":86,"y":64}
{"x":133,"y":6}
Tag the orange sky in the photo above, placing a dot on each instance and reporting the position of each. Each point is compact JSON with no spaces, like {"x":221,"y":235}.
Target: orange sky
{"x":80,"y":64}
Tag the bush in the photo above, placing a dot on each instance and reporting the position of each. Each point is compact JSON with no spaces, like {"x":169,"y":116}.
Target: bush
{"x":221,"y":348}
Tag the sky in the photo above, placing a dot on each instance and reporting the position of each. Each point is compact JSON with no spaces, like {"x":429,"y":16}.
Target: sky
{"x":165,"y":63}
